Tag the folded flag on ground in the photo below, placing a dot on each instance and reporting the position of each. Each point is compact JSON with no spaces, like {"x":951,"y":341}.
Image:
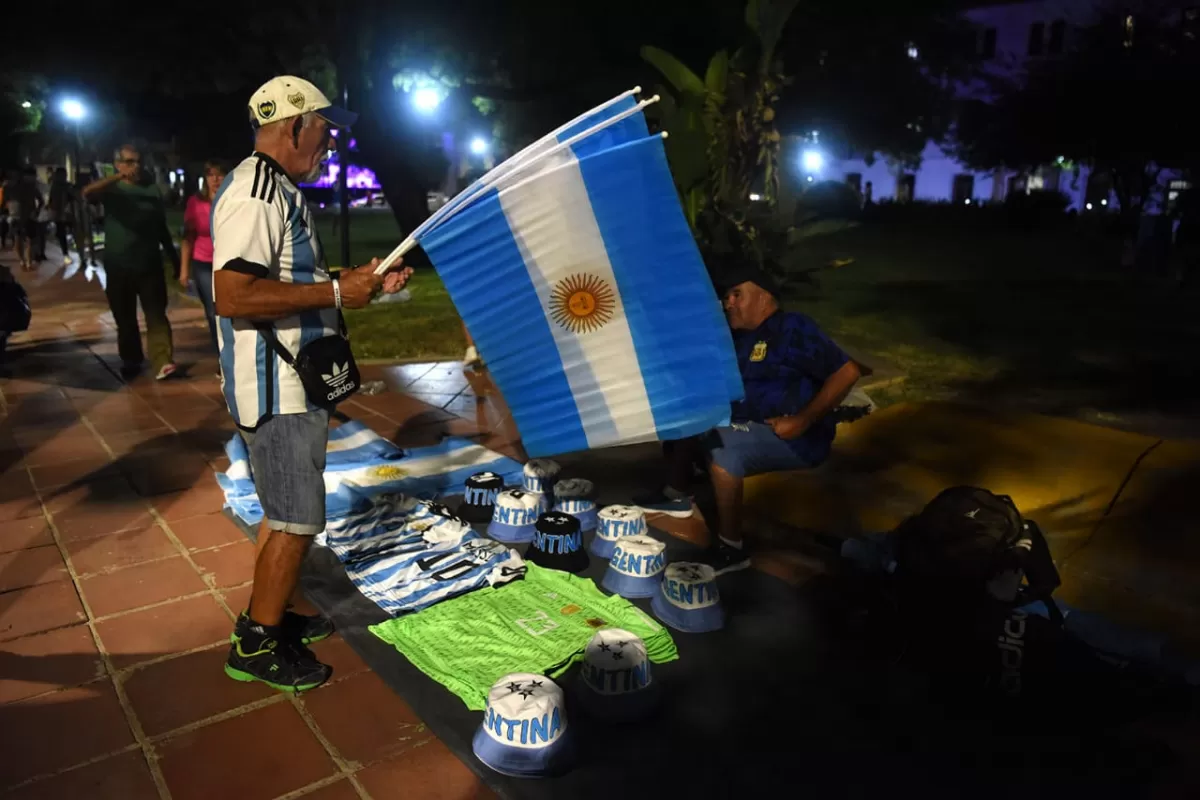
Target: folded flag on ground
{"x":360,"y":464}
{"x":574,"y":269}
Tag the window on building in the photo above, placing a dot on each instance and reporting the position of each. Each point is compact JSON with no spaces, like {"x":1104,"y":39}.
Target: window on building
{"x":1058,"y":35}
{"x":1127,"y":30}
{"x":988,"y":47}
{"x":1037,"y":38}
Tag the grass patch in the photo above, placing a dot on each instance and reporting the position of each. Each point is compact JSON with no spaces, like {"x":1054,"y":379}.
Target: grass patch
{"x":426,"y":327}
{"x":993,"y":314}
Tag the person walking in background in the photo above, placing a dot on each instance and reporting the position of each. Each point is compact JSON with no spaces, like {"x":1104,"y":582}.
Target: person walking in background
{"x":197,"y":246}
{"x":24,"y":201}
{"x":62,"y":204}
{"x":85,"y":242}
{"x":135,"y":228}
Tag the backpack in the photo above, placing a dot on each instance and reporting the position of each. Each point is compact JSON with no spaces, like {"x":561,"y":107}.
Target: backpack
{"x":965,"y":539}
{"x":14,"y":307}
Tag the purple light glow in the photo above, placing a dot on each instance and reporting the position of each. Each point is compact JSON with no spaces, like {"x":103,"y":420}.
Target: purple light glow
{"x":357,"y":178}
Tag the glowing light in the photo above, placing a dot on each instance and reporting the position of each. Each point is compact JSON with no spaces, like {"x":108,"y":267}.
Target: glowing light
{"x":1103,"y":202}
{"x":913,"y":52}
{"x":72,"y":109}
{"x":426,"y":99}
{"x":812,"y":160}
{"x":967,"y":201}
{"x":1089,"y":206}
{"x":26,"y":104}
{"x":755,"y":197}
{"x":810,"y":178}
{"x":479,"y":145}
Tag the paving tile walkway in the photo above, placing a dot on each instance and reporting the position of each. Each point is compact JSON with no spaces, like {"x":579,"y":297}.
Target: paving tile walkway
{"x":120,"y":579}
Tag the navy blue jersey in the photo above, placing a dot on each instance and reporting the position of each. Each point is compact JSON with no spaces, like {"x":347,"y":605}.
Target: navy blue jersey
{"x":784,"y":362}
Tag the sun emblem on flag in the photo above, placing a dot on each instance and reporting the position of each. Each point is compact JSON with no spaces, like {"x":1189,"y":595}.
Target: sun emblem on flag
{"x":582,"y":303}
{"x":388,"y":472}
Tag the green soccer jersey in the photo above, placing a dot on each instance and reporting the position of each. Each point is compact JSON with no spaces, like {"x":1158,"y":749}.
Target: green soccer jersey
{"x":540,"y":624}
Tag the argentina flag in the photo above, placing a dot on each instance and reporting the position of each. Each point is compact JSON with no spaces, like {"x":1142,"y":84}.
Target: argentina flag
{"x":580,"y":281}
{"x":361,"y":465}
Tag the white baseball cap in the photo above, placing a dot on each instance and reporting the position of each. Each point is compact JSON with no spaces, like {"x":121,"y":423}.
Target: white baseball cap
{"x":287,"y":96}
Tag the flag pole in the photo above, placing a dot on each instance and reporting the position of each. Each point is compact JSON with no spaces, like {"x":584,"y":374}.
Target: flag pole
{"x":498,"y":171}
{"x":411,"y":240}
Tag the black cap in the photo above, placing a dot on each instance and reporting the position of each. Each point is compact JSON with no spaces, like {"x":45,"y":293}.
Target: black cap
{"x":558,"y":543}
{"x":735,"y":273}
{"x":479,"y":497}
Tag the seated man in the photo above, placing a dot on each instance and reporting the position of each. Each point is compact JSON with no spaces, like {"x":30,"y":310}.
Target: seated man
{"x":794,"y":376}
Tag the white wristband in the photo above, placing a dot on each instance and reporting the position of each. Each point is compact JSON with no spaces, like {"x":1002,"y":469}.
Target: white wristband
{"x":337,"y":294}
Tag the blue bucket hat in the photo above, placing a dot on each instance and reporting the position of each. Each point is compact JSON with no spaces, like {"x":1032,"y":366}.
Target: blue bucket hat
{"x":514,"y":516}
{"x":612,"y":523}
{"x":524,"y":732}
{"x":688,"y":600}
{"x":636,"y":566}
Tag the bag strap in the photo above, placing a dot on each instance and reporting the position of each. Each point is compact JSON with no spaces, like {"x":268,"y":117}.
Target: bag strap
{"x":267,"y":331}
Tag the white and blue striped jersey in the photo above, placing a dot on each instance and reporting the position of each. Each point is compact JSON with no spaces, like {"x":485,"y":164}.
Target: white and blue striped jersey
{"x":405,"y":556}
{"x":262,"y":226}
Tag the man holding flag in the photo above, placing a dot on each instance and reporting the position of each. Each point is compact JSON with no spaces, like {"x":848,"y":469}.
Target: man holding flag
{"x":274,"y":296}
{"x":794,"y":376}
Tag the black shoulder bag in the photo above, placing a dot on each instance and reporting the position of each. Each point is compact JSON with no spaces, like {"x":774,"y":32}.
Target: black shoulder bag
{"x":326,"y":366}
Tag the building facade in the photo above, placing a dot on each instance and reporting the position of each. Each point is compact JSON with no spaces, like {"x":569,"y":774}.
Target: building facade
{"x":1008,"y":38}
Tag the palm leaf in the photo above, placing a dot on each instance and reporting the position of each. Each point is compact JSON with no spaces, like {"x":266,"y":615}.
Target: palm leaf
{"x":675,"y":71}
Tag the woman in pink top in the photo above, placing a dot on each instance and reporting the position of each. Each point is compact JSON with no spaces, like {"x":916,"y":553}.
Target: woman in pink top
{"x":197,"y":248}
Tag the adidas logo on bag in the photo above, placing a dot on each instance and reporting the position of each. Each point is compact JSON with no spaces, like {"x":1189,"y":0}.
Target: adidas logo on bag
{"x":338,"y":380}
{"x":339,"y":375}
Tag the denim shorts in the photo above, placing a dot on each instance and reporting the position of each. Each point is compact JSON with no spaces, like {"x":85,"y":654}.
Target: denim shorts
{"x":287,"y":458}
{"x":751,"y":448}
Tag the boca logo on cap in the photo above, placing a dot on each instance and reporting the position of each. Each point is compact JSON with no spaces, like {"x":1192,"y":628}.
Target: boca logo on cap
{"x":635,"y":567}
{"x":266,"y":109}
{"x":297,"y":99}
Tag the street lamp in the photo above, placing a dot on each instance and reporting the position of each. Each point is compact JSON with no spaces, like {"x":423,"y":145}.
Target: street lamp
{"x":426,"y":99}
{"x":26,"y":104}
{"x":74,"y":111}
{"x":479,"y":146}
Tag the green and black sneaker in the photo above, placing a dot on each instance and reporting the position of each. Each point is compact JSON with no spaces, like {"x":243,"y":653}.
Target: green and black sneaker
{"x":308,"y":630}
{"x":259,"y":653}
{"x":301,"y":627}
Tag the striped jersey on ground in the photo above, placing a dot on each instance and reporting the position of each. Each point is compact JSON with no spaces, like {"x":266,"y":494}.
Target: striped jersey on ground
{"x":262,"y":226}
{"x":406,"y":556}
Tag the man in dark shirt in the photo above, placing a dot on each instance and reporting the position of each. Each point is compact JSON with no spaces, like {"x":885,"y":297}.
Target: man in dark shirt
{"x":135,"y":238}
{"x":794,"y":376}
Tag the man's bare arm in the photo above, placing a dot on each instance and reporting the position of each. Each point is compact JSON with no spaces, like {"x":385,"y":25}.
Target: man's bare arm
{"x":831,"y":393}
{"x":242,"y":296}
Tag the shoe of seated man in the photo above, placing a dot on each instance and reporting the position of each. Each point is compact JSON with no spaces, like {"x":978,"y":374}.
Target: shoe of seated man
{"x":671,"y":502}
{"x":273,"y":657}
{"x":471,"y":358}
{"x":724,"y":558}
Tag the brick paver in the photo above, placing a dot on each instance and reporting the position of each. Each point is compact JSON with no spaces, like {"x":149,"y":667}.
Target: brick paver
{"x":120,"y":580}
